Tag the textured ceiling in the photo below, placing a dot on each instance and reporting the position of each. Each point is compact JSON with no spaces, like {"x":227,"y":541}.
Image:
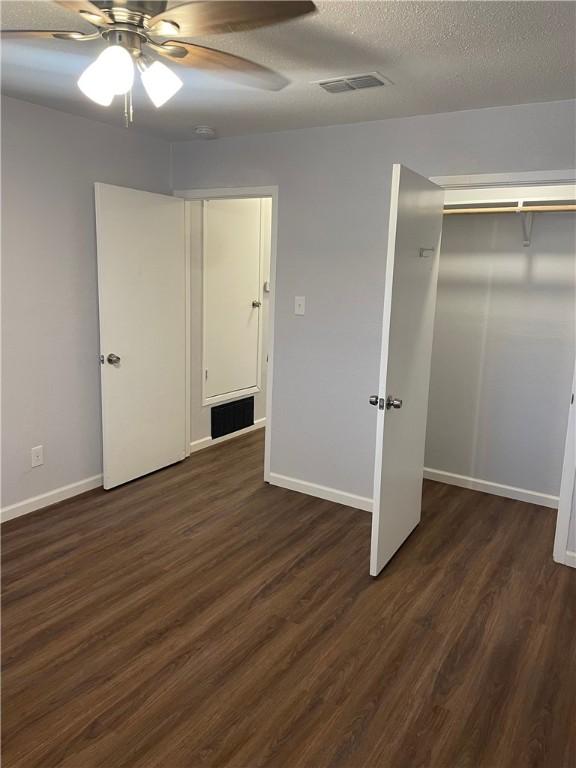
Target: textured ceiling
{"x":441,"y":57}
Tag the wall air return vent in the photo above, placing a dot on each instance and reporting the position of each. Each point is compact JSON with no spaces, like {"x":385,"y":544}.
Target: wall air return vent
{"x":354,"y":82}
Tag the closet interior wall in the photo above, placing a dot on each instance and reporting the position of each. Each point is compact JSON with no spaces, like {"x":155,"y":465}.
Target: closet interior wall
{"x":503,"y":353}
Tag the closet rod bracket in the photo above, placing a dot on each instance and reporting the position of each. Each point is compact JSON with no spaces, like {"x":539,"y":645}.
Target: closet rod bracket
{"x":527,"y":220}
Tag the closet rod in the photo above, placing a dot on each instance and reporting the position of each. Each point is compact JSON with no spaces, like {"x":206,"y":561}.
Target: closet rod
{"x":515,"y":209}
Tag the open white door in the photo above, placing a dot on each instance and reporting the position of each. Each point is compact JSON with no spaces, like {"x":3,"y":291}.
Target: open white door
{"x":142,"y":300}
{"x":409,"y":304}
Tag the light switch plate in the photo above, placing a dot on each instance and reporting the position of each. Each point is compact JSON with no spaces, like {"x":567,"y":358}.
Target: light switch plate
{"x":37,"y":456}
{"x":299,"y":305}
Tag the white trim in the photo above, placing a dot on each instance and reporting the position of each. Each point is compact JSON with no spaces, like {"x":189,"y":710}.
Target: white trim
{"x":522,"y":178}
{"x":219,"y":192}
{"x":518,"y":195}
{"x":272,"y":192}
{"x":188,"y":329}
{"x":321,"y":492}
{"x":207,"y":442}
{"x":475,"y":484}
{"x":229,"y":397}
{"x":49,"y":498}
{"x":270,"y":331}
{"x":567,"y":488}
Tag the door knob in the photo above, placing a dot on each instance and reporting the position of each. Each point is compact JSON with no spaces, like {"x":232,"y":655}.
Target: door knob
{"x":392,"y":402}
{"x":256,"y":304}
{"x":373,"y":399}
{"x":113,"y":359}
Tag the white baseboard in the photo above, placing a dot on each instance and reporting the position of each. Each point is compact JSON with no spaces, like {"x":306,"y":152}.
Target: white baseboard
{"x":206,"y":442}
{"x":570,"y":558}
{"x":52,"y":497}
{"x":474,"y":484}
{"x":321,"y":491}
{"x":67,"y":491}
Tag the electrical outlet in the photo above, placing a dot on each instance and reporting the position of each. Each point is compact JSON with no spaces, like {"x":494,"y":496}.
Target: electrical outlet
{"x":37,"y":456}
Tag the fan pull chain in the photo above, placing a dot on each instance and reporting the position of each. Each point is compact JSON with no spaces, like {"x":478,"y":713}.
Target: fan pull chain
{"x":128,"y":109}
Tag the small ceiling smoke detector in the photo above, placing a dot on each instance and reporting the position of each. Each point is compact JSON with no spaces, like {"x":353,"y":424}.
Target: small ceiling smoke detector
{"x":205,"y":132}
{"x":354,"y":82}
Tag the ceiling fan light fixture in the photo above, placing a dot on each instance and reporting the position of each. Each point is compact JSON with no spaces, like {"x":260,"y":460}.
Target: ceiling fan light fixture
{"x":160,"y":83}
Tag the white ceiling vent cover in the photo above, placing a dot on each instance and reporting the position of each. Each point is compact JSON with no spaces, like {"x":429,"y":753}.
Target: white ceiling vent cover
{"x":354,"y":82}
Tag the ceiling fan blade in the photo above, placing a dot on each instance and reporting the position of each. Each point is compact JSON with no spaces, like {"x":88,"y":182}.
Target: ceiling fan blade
{"x":87,"y":10}
{"x":225,"y":65}
{"x":47,"y":33}
{"x":208,"y":17}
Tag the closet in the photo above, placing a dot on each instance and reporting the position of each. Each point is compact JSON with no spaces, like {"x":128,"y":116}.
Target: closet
{"x":503,"y":349}
{"x":477,"y":354}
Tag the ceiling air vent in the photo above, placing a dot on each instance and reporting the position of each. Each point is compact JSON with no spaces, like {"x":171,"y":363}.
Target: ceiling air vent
{"x":354,"y":82}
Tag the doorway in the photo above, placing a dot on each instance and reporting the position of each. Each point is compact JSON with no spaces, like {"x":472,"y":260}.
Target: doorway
{"x":232,"y":250}
{"x":186,"y":308}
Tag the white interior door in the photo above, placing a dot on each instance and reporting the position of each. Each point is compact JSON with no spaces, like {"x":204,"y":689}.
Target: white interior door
{"x":233,"y":242}
{"x":414,"y":234}
{"x":142,"y":300}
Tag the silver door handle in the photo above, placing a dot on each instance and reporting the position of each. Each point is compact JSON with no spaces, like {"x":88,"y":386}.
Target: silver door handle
{"x":256,"y":304}
{"x":393,"y":402}
{"x":113,"y":359}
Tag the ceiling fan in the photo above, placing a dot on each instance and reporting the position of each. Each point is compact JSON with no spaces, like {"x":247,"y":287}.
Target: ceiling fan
{"x":134,"y":29}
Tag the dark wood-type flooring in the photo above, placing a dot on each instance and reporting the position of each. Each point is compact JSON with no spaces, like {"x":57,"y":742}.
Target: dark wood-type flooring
{"x":199,"y":617}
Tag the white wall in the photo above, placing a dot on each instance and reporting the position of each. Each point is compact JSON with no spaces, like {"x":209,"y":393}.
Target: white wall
{"x":50,"y":377}
{"x":333,"y":208}
{"x":503,"y":354}
{"x":200,"y":424}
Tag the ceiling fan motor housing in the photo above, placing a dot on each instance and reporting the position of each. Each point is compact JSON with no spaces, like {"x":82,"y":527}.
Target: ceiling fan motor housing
{"x":130,"y":39}
{"x":135,"y":15}
{"x":140,"y":7}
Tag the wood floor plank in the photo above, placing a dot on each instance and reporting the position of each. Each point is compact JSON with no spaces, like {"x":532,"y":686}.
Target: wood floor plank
{"x":198,"y":618}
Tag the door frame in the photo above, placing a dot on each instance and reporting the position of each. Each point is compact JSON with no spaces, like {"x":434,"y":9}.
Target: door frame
{"x":567,"y":489}
{"x":232,"y":193}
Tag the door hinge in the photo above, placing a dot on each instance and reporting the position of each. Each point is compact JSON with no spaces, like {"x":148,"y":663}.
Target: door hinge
{"x":206,"y":375}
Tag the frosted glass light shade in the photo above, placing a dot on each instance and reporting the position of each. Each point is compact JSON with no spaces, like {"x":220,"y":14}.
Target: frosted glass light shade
{"x":96,"y":87}
{"x":111,"y":74}
{"x":160,"y":83}
{"x":116,"y":65}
